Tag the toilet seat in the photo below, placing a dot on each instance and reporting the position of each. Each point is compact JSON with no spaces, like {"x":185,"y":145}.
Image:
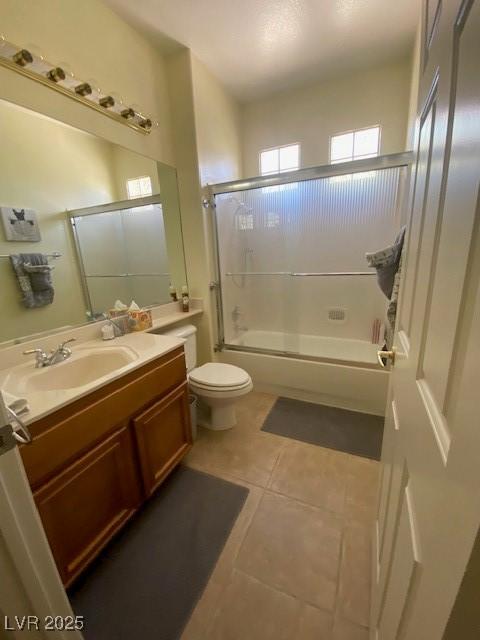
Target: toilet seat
{"x":217,"y":386}
{"x":195,"y":386}
{"x":217,"y":376}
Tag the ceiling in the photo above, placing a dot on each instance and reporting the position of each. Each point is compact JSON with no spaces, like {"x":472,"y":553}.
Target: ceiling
{"x":258,"y":47}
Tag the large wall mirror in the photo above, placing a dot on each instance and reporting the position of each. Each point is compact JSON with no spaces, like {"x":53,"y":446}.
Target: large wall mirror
{"x":86,"y":221}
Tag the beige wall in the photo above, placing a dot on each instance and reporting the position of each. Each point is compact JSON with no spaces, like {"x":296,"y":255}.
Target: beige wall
{"x":50,"y":168}
{"x":207,"y":138}
{"x":179,"y":67}
{"x":312,"y":114}
{"x":96,"y":44}
{"x":218,"y":128}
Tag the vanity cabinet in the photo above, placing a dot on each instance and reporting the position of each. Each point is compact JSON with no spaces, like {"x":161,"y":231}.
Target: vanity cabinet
{"x":163,"y":434}
{"x":93,"y":462}
{"x":89,"y":501}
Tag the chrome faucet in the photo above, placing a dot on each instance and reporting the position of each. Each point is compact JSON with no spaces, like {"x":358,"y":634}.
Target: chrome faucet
{"x":43,"y":359}
{"x":118,"y":329}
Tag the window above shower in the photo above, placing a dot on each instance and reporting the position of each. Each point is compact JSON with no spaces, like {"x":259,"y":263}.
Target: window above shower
{"x":355,"y":145}
{"x":139,"y":187}
{"x":280,"y":159}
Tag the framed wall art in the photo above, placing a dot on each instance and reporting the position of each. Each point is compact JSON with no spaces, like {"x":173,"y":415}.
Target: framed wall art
{"x":20,"y":225}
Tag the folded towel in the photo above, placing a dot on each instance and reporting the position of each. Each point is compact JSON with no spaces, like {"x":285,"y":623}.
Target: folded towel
{"x":19,"y":405}
{"x":34,"y":278}
{"x":386,"y":262}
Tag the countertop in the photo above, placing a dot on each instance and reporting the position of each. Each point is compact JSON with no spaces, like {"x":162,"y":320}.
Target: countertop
{"x":143,"y":346}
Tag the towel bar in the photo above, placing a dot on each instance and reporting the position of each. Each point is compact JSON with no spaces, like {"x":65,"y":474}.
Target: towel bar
{"x":53,"y":255}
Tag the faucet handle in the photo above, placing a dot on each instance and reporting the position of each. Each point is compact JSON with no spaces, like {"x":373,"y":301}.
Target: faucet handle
{"x":62,"y":344}
{"x":41,"y":357}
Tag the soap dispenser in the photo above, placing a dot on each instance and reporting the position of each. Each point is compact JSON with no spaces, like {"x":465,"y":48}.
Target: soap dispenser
{"x":185,"y":298}
{"x":108,"y":332}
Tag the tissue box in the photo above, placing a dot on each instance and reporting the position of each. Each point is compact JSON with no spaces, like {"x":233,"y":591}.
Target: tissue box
{"x":114,"y":313}
{"x":140,"y":320}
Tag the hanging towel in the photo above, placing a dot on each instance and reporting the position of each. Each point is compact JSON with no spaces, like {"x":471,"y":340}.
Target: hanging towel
{"x":392,"y":306}
{"x":386,"y":262}
{"x":34,"y":278}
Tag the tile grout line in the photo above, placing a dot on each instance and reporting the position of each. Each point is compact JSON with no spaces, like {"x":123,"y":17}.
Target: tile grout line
{"x":209,"y":625}
{"x":265,"y":490}
{"x":275,"y":464}
{"x":285,"y":593}
{"x":319,"y":507}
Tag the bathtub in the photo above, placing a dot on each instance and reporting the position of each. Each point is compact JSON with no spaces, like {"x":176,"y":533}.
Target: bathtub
{"x":334,"y":371}
{"x":355,"y":352}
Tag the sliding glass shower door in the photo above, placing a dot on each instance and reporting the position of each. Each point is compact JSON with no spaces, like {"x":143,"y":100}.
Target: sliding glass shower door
{"x":292,"y":267}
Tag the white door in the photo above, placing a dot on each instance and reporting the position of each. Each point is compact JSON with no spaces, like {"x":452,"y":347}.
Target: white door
{"x":429,"y":503}
{"x":33,"y":602}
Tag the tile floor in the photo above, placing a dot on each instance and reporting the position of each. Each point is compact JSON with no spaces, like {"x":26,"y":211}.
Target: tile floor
{"x":297,"y":563}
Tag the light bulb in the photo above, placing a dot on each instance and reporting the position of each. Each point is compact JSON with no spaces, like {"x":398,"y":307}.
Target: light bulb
{"x":107,"y":101}
{"x":119,"y":105}
{"x":23,"y":57}
{"x":38,"y":64}
{"x":69,"y":81}
{"x":128,"y":113}
{"x":7,"y":49}
{"x":95,"y":92}
{"x":57,"y":74}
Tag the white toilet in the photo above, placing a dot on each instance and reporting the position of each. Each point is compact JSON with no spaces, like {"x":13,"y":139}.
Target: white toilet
{"x":217,"y":385}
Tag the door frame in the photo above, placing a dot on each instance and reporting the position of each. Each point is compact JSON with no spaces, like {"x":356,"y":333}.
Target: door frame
{"x":30,"y":577}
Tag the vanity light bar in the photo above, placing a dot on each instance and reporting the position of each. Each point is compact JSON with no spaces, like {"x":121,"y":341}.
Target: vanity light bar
{"x":35,"y":67}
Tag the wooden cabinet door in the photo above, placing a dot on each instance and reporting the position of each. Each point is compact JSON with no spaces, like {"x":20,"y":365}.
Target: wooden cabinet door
{"x":164,"y":436}
{"x":84,"y":505}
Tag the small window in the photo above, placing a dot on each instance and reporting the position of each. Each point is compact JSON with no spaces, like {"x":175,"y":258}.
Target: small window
{"x":355,"y":145}
{"x":244,"y":221}
{"x":280,"y":159}
{"x":139,"y":187}
{"x":273,"y":220}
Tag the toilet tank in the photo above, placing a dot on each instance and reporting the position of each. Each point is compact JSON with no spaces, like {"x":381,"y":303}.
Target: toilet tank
{"x":189,"y":333}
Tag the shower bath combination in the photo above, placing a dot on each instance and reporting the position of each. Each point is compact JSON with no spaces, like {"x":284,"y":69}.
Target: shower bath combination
{"x":290,"y":259}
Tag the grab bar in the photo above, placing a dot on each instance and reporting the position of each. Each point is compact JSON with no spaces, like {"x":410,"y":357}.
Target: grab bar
{"x":301,"y":274}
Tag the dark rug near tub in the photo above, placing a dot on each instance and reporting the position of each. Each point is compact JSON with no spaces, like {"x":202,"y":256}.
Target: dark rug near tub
{"x":148,"y":580}
{"x":350,"y":431}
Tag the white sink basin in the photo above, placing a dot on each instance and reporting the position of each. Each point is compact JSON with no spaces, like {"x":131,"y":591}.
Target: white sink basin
{"x":82,"y":368}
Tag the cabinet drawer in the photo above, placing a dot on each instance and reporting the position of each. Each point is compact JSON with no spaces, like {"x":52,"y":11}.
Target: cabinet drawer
{"x":88,"y":502}
{"x":71,"y":431}
{"x":164,"y":435}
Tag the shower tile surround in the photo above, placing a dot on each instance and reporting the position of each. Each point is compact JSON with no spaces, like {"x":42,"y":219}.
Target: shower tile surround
{"x":297,"y":563}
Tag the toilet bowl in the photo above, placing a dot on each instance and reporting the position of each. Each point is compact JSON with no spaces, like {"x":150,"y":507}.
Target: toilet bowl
{"x":217,"y":385}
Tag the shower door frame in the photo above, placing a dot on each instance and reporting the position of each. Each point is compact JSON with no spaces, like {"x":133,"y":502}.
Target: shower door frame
{"x":388,"y":161}
{"x":120,"y":205}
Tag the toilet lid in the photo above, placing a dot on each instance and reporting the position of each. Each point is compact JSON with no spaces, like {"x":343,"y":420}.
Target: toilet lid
{"x":217,"y":374}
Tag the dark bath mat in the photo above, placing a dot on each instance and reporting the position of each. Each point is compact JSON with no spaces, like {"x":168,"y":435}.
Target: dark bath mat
{"x":350,"y":431}
{"x":148,"y":580}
